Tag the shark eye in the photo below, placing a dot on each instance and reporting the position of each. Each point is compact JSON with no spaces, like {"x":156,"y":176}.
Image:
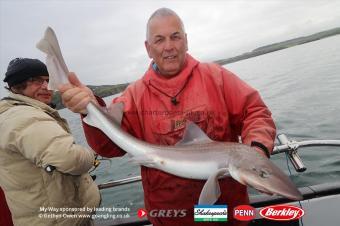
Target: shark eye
{"x":264,"y":173}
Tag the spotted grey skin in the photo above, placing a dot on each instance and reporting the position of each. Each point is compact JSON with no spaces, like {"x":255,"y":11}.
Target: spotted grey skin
{"x":197,"y":156}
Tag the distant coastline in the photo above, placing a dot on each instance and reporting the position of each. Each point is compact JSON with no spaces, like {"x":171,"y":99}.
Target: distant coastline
{"x":108,"y":90}
{"x":281,"y":45}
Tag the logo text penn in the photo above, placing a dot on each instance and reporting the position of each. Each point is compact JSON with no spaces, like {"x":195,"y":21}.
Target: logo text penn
{"x":244,"y":213}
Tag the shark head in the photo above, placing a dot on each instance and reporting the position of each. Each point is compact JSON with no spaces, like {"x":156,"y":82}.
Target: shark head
{"x":267,"y":178}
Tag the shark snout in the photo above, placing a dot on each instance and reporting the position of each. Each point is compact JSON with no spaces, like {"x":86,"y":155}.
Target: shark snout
{"x":270,"y":180}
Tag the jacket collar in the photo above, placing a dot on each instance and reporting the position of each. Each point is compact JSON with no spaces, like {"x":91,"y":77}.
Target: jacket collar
{"x":171,"y":85}
{"x":32,"y":102}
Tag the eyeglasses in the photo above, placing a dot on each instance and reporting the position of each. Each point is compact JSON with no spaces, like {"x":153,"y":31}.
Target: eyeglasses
{"x":38,"y":80}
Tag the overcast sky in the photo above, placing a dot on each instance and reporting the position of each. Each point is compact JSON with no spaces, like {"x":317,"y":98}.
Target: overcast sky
{"x":103,"y":41}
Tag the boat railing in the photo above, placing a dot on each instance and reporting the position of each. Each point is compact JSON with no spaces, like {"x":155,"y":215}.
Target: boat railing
{"x":115,"y":183}
{"x":290,"y":147}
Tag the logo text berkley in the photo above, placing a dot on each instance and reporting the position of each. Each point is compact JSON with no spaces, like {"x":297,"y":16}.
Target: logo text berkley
{"x":282,"y":212}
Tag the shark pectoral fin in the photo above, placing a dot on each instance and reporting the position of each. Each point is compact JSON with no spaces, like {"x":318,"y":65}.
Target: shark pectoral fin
{"x":235,"y":174}
{"x":211,"y":189}
{"x":193,"y":135}
{"x":142,"y":160}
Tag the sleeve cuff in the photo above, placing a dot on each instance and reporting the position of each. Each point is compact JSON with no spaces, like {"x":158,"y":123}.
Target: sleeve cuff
{"x":261,"y":146}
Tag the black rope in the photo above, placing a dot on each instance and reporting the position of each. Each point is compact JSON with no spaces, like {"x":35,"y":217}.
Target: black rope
{"x":174,"y":100}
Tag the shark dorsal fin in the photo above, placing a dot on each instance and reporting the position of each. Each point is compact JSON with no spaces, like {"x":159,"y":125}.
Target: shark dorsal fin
{"x":193,"y":135}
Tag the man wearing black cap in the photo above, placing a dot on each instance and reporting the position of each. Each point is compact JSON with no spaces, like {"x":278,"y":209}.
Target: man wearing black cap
{"x":41,"y":167}
{"x":28,"y":77}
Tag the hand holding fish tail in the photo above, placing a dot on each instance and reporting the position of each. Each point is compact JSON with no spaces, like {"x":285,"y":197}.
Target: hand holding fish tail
{"x":75,"y":95}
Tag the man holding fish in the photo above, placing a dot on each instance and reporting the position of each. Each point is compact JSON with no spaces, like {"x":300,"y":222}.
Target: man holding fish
{"x":175,"y":90}
{"x":42,"y":171}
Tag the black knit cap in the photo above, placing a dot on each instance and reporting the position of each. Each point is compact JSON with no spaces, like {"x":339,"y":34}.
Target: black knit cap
{"x":21,"y":69}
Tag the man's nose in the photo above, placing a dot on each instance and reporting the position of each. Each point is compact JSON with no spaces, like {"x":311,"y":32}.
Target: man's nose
{"x":169,"y":45}
{"x":45,"y":84}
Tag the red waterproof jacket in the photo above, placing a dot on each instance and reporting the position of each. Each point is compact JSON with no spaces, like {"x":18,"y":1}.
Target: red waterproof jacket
{"x":219,"y":102}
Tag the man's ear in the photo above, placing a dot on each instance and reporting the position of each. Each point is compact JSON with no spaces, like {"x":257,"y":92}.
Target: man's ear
{"x":14,"y":90}
{"x":147,"y":47}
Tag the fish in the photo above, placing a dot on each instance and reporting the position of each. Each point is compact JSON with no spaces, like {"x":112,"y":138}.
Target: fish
{"x":195,"y":156}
